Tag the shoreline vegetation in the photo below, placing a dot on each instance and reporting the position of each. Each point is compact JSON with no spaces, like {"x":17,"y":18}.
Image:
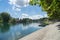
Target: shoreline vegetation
{"x":6,"y":18}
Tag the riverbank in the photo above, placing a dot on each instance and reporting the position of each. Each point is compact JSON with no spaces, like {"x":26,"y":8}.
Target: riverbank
{"x":50,"y":32}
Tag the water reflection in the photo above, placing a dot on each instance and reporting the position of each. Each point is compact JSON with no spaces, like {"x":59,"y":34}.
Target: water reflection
{"x":4,"y":27}
{"x":25,"y":24}
{"x":17,"y":31}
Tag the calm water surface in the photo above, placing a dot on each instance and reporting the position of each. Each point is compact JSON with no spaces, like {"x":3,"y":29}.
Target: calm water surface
{"x":14,"y":32}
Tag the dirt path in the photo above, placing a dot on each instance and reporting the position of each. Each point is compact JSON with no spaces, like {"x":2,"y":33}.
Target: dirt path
{"x":50,"y":32}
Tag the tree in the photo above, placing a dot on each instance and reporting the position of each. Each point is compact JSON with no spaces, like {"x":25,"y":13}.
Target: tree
{"x":5,"y":16}
{"x":13,"y":20}
{"x":52,"y":7}
{"x":0,"y":19}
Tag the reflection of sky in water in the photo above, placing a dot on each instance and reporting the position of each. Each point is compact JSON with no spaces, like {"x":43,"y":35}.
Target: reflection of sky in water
{"x":33,"y":25}
{"x":19,"y":31}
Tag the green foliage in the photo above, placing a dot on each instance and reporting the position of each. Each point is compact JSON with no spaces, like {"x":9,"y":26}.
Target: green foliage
{"x":52,"y":7}
{"x":4,"y":27}
{"x":13,"y":20}
{"x":5,"y":17}
{"x":0,"y":19}
{"x":26,"y":20}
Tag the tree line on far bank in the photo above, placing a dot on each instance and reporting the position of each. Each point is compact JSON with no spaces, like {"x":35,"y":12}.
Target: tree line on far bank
{"x":6,"y":18}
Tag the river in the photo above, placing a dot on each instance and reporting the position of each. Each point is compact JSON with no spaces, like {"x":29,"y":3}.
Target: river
{"x":15,"y":32}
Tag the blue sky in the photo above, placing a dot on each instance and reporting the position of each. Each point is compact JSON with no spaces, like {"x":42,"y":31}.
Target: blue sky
{"x":21,"y":9}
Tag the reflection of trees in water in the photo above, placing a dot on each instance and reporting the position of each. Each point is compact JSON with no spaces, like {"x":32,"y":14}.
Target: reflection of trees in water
{"x":4,"y":27}
{"x":25,"y":21}
{"x":25,"y":24}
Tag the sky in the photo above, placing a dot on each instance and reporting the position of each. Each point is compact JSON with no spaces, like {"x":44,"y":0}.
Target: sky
{"x":22,"y":9}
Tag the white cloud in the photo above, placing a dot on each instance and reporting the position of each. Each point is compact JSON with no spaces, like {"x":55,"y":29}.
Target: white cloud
{"x":17,"y":4}
{"x":16,"y":9}
{"x":36,"y":16}
{"x":12,"y":2}
{"x":24,"y":15}
{"x":46,"y":15}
